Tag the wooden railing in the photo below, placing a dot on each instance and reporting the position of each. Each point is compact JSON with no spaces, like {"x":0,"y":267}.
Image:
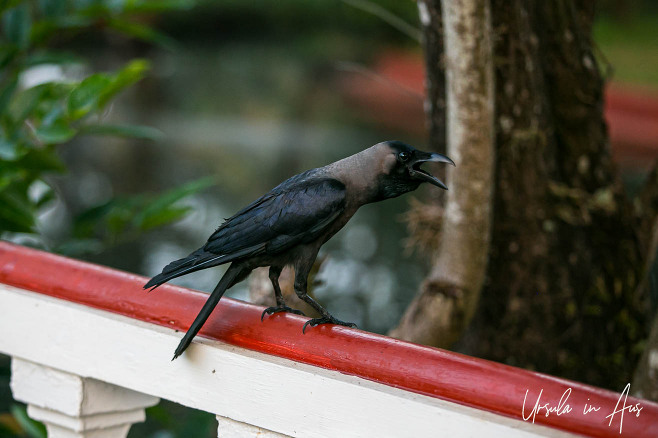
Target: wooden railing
{"x":90,"y":350}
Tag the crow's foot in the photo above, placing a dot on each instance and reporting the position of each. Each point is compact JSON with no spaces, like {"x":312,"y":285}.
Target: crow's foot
{"x":281,"y":308}
{"x":327,"y":320}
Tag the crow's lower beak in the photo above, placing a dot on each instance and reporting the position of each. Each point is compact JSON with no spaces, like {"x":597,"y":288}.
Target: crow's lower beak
{"x":423,"y":157}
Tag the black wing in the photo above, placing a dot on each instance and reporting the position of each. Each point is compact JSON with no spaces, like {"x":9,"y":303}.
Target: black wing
{"x":297,"y":211}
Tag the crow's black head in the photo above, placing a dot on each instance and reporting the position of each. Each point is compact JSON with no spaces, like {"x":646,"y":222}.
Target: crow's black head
{"x":401,"y":172}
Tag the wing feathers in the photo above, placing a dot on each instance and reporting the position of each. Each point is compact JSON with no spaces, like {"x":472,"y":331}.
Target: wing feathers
{"x":298,"y":210}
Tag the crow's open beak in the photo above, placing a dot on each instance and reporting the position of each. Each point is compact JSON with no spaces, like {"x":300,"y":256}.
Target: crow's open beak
{"x":423,"y":157}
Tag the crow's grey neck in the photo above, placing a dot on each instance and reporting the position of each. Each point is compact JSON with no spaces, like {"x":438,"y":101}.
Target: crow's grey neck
{"x":359,"y":174}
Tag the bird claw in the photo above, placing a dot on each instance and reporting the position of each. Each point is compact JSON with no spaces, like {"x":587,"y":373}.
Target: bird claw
{"x":281,"y":308}
{"x":327,"y":320}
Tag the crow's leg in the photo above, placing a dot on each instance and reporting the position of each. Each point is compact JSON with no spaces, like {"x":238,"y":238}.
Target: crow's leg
{"x":275,"y":272}
{"x":302,"y":269}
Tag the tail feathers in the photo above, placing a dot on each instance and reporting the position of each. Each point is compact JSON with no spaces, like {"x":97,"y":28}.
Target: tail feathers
{"x":199,"y":259}
{"x":229,"y":278}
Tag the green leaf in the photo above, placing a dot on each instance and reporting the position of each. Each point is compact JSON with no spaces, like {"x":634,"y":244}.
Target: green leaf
{"x":85,"y":97}
{"x":128,"y":75}
{"x":26,"y":101}
{"x":158,"y":5}
{"x":41,"y":160}
{"x":162,"y":217}
{"x":54,"y":114}
{"x":143,"y":32}
{"x":43,"y":30}
{"x":8,"y":4}
{"x":55,"y":133}
{"x":119,"y":219}
{"x":94,"y":92}
{"x":131,"y":73}
{"x":160,"y":211}
{"x":101,"y":8}
{"x":8,"y":150}
{"x":85,"y":223}
{"x":16,"y":213}
{"x":7,"y":54}
{"x":52,"y":57}
{"x":34,"y":429}
{"x":42,"y":195}
{"x":80,"y":247}
{"x":9,"y":173}
{"x":6,"y":93}
{"x":129,"y":131}
{"x":17,"y":24}
{"x":53,"y":8}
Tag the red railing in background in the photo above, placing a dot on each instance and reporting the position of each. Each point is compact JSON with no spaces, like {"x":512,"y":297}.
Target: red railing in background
{"x":433,"y":372}
{"x":631,"y":111}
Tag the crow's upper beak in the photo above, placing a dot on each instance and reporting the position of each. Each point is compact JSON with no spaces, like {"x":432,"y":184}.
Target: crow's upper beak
{"x":422,"y":157}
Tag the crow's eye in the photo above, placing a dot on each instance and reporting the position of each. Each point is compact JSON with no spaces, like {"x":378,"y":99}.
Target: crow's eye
{"x":404,"y":156}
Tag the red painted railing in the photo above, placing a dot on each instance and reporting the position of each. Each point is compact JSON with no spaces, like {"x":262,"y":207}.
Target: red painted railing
{"x":437,"y":373}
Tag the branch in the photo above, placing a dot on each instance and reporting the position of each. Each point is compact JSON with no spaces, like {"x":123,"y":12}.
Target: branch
{"x":448,"y":298}
{"x":386,"y":16}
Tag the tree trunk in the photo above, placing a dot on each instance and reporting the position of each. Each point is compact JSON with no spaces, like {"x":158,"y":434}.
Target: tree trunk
{"x":568,"y":252}
{"x":645,"y":380}
{"x":449,"y":295}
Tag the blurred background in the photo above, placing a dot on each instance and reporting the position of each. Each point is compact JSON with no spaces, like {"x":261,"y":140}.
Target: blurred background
{"x":244,"y":94}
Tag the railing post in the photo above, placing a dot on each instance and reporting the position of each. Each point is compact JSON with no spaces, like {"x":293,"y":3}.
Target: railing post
{"x":228,"y":428}
{"x":73,"y":406}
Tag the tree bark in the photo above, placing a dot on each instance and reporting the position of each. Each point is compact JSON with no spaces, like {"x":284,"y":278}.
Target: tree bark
{"x":645,"y":379}
{"x":569,"y":248}
{"x":566,"y":259}
{"x":449,"y":295}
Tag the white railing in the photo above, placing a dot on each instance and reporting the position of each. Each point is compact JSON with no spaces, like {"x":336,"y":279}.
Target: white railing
{"x":81,"y":370}
{"x":87,"y":372}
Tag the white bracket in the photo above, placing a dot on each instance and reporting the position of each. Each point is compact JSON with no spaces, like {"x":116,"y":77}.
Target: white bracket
{"x":74,"y":406}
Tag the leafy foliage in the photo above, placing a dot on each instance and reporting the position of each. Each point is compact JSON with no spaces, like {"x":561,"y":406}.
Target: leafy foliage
{"x":43,"y":107}
{"x":38,"y":114}
{"x":122,"y":219}
{"x":31,"y":428}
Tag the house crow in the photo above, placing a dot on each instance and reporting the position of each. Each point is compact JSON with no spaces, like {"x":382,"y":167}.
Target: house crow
{"x":288,"y":225}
